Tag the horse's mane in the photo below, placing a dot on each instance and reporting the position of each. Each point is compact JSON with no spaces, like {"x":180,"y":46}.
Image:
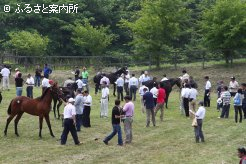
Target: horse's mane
{"x":42,"y":96}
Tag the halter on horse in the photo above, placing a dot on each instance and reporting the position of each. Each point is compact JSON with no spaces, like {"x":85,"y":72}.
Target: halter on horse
{"x":38,"y":107}
{"x":112,"y":78}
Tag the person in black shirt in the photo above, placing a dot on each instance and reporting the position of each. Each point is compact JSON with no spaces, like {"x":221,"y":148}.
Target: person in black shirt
{"x":19,"y":84}
{"x":38,"y":73}
{"x":116,"y":115}
{"x":76,"y":73}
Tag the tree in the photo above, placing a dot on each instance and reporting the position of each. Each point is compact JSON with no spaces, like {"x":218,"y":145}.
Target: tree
{"x":94,"y":40}
{"x":224,"y":26}
{"x":159,"y":25}
{"x":27,"y":43}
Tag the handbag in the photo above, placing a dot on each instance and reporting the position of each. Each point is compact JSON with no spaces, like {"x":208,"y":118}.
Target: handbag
{"x":194,"y":122}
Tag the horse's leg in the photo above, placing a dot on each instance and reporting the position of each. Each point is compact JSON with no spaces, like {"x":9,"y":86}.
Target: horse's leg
{"x":167,"y":99}
{"x":16,"y":122}
{"x":47,"y":118}
{"x":54,"y":107}
{"x":58,"y":109}
{"x":40,"y":125}
{"x":114,"y":89}
{"x":7,"y":123}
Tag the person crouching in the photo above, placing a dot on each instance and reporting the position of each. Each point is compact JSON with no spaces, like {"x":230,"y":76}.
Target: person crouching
{"x":69,"y":123}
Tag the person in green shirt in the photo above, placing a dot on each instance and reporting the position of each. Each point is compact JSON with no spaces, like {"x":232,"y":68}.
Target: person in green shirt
{"x":85,"y":76}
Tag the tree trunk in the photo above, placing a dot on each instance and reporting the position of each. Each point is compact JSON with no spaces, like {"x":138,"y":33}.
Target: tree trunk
{"x":227,"y":54}
{"x":157,"y":58}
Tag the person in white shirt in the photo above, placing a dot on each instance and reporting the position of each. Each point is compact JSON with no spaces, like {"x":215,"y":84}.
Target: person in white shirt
{"x":104,"y":79}
{"x":233,"y":86}
{"x":141,"y":93}
{"x":141,"y":78}
{"x":80,"y":83}
{"x":104,"y":100}
{"x":133,"y":85}
{"x":120,"y":83}
{"x":126,"y":84}
{"x":185,"y":76}
{"x":69,"y":123}
{"x":87,"y":110}
{"x":145,"y":77}
{"x":30,"y":84}
{"x":68,"y":82}
{"x":5,"y":74}
{"x":192,"y":98}
{"x":45,"y":83}
{"x":164,"y":78}
{"x":185,"y":96}
{"x":199,"y":115}
{"x":207,"y":92}
{"x":154,"y":91}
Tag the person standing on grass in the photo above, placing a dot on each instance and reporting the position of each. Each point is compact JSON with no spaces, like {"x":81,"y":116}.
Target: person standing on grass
{"x":154,"y":91}
{"x":192,"y":97}
{"x":120,"y":83}
{"x":45,"y":83}
{"x":129,"y":112}
{"x":241,"y":153}
{"x":185,"y":96}
{"x":133,"y":85}
{"x":238,"y":105}
{"x":243,"y":86}
{"x":37,"y":77}
{"x":17,"y":71}
{"x":79,"y":105}
{"x":69,"y":123}
{"x":161,"y":97}
{"x":116,"y":115}
{"x":85,"y":77}
{"x":30,"y":84}
{"x":200,"y":114}
{"x":87,"y":109}
{"x":104,"y":100}
{"x":141,"y":93}
{"x":233,"y":86}
{"x":47,"y":71}
{"x":126,"y":82}
{"x":207,"y":92}
{"x":80,"y":84}
{"x":149,"y":106}
{"x":5,"y":75}
{"x":76,"y":73}
{"x":19,"y":84}
{"x":226,"y":98}
{"x":220,"y":85}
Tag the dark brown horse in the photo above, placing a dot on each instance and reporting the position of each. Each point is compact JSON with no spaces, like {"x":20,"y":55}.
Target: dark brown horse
{"x":38,"y":107}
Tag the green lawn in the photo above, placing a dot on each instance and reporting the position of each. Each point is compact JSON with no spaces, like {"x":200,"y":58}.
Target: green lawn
{"x":172,"y":141}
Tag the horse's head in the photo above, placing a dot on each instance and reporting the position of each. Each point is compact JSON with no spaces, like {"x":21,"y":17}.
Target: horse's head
{"x":122,"y":70}
{"x":55,"y":91}
{"x":178,"y":82}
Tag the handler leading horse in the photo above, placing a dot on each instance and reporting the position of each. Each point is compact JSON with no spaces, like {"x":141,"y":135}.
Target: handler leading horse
{"x":38,"y":107}
{"x":112,"y":78}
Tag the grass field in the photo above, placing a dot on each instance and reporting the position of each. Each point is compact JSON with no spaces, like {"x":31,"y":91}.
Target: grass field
{"x":172,"y":141}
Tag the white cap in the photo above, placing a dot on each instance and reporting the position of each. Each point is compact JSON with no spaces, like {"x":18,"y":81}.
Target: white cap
{"x":70,"y":100}
{"x":16,"y":69}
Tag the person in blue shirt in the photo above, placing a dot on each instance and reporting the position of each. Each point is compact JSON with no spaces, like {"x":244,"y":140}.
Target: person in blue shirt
{"x":149,"y":105}
{"x":47,"y":71}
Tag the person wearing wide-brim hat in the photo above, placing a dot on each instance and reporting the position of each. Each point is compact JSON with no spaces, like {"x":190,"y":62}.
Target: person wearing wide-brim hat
{"x":233,"y":86}
{"x":69,"y":123}
{"x":17,"y":71}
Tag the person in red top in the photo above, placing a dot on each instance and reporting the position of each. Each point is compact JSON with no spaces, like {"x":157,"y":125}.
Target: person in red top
{"x":242,"y":155}
{"x":160,"y":101}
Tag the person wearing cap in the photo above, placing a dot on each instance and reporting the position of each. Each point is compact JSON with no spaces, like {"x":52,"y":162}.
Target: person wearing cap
{"x":207,"y":92}
{"x":129,"y":112}
{"x":85,"y":77}
{"x":120,"y":84}
{"x":104,"y":100}
{"x":164,"y":78}
{"x":243,"y":86}
{"x":87,"y":109}
{"x":199,"y":115}
{"x":241,"y":153}
{"x":69,"y":122}
{"x":5,"y":72}
{"x":37,"y":77}
{"x":45,"y":83}
{"x":233,"y":86}
{"x":226,"y":99}
{"x":133,"y":86}
{"x":47,"y":71}
{"x":116,"y":116}
{"x":17,"y":71}
{"x":79,"y":106}
{"x":76,"y":73}
{"x":19,"y":84}
{"x":149,"y":106}
{"x":126,"y":82}
{"x":30,"y":84}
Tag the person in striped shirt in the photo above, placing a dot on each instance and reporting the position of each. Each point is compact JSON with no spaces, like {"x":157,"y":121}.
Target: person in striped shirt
{"x":226,"y":98}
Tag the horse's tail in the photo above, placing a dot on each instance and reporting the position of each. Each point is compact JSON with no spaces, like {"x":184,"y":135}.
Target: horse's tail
{"x":9,"y":109}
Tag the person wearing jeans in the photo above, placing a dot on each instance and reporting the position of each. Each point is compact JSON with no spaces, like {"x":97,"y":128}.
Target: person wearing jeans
{"x":133,"y":85}
{"x":238,"y":105}
{"x":116,"y":115}
{"x":19,"y":84}
{"x":29,"y":88}
{"x":149,"y":105}
{"x":226,"y":98}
